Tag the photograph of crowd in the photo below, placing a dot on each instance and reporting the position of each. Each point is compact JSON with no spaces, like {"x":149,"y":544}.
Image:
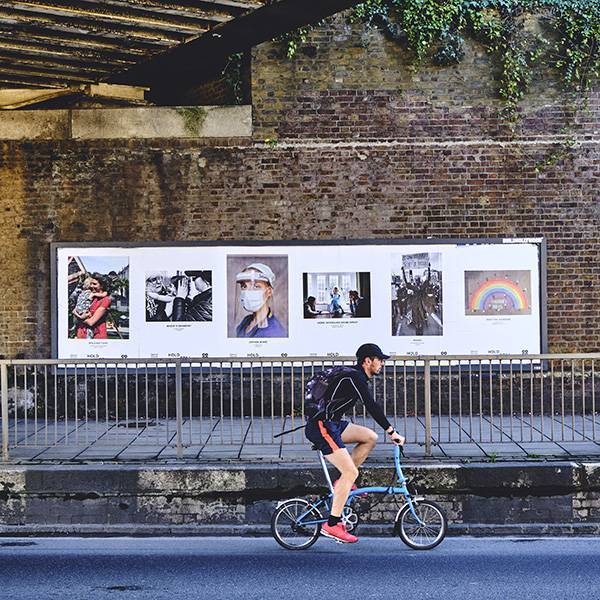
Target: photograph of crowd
{"x":98,"y":297}
{"x":257,"y":296}
{"x":336,"y":295}
{"x":179,"y":296}
{"x":417,"y":294}
{"x":497,"y":293}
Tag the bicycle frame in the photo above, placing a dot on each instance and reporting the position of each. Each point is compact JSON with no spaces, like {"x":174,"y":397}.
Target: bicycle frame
{"x":391,"y":489}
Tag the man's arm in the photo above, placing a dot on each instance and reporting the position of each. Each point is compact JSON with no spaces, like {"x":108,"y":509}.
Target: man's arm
{"x":355,"y":388}
{"x":179,"y":309}
{"x":372,"y":407}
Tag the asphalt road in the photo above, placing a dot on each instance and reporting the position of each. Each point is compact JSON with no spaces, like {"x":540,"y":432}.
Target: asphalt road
{"x":249,"y":568}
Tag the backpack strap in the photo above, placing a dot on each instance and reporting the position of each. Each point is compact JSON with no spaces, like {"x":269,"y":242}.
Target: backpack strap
{"x":289,"y":431}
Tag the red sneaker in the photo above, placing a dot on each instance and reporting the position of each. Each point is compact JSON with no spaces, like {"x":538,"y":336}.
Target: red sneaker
{"x":338,"y":532}
{"x":351,"y":489}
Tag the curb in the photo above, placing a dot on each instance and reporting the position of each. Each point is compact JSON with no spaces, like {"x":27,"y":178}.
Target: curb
{"x":262,"y":530}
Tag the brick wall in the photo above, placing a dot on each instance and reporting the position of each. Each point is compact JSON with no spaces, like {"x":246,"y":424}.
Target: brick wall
{"x":365,"y":149}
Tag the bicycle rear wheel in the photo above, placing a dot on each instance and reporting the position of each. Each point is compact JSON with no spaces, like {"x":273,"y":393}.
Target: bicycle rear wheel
{"x":289,"y":530}
{"x":427,"y":534}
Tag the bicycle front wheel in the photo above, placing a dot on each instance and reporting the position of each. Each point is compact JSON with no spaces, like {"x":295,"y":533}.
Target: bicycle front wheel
{"x":424,"y":532}
{"x":291,"y":524}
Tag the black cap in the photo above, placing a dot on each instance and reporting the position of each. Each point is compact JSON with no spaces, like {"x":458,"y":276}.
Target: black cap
{"x":206,"y":275}
{"x":371,"y":350}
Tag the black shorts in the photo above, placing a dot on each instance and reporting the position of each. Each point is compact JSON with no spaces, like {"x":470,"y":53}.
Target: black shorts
{"x":326,"y":435}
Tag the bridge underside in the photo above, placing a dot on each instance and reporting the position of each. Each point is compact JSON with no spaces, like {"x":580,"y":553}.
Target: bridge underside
{"x":50,"y":48}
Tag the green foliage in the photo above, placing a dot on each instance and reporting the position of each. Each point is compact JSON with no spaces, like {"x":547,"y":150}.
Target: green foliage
{"x":232,"y":76}
{"x":193,"y":118}
{"x":427,"y":22}
{"x":561,"y":152}
{"x":436,"y":29}
{"x":450,"y":52}
{"x":577,"y":49}
{"x":295,"y":39}
{"x":371,"y":12}
{"x":270,"y":142}
{"x":502,"y":31}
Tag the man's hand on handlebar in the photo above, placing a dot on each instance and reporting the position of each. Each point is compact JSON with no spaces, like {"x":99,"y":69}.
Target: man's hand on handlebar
{"x":397,"y":438}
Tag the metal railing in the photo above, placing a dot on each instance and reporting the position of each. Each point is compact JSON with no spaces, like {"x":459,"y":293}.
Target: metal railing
{"x":180,"y":403}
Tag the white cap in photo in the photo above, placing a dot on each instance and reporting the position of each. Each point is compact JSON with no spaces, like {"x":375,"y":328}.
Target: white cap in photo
{"x":260,"y":272}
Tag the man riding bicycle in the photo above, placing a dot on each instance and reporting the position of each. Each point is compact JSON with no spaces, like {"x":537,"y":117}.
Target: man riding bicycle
{"x":330,"y":434}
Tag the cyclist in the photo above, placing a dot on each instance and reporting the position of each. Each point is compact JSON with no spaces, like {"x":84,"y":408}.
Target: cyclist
{"x":330,"y":434}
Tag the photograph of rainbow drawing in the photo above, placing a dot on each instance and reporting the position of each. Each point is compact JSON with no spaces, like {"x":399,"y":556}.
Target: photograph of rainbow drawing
{"x":497,"y":293}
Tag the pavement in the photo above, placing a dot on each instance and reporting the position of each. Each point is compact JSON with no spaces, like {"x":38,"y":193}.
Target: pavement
{"x":237,"y":568}
{"x":233,"y":439}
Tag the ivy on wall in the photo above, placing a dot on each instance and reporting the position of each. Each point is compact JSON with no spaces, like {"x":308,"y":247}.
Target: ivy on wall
{"x":233,"y":77}
{"x":567,"y":42}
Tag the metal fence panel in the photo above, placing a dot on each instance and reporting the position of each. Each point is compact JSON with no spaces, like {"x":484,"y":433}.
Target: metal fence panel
{"x":198,"y":403}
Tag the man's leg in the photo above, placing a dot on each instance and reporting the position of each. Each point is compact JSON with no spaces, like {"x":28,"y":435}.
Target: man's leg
{"x":365,"y":440}
{"x":344,"y":463}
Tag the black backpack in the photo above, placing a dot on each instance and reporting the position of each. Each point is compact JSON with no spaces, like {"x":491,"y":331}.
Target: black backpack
{"x":316,"y":388}
{"x":314,"y":396}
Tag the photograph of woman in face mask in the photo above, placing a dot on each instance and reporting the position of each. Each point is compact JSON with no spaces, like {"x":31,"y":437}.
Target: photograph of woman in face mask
{"x":256,"y":285}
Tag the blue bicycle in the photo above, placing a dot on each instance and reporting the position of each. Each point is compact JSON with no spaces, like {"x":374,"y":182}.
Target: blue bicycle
{"x":421,"y":524}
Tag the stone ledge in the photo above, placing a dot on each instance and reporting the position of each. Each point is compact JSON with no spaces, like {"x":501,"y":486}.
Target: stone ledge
{"x":482,"y":479}
{"x":515,"y":499}
{"x":195,"y":122}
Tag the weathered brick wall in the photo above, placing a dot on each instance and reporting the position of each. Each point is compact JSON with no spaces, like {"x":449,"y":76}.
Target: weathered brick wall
{"x":365,"y":149}
{"x":347,"y":83}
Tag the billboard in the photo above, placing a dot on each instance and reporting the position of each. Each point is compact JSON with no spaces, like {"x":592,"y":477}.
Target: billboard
{"x":241,"y":299}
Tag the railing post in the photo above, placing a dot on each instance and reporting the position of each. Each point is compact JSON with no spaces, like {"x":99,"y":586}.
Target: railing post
{"x":4,"y":409}
{"x":178,"y":407}
{"x":427,"y":391}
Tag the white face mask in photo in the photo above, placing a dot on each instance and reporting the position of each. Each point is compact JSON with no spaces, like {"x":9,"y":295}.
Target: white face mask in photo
{"x":252,"y":300}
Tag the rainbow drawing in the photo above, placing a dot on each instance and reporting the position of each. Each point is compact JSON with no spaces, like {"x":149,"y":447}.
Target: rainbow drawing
{"x":498,"y":295}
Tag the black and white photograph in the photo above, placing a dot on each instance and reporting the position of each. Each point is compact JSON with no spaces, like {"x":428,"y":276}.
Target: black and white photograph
{"x":98,"y":297}
{"x":257,"y":296}
{"x":336,"y":295}
{"x":180,"y":296}
{"x":417,"y":294}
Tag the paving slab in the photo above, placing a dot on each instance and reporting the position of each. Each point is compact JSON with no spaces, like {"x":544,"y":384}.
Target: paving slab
{"x":543,"y":449}
{"x":463,"y":450}
{"x":507,"y":448}
{"x":579,"y":448}
{"x":29,"y":453}
{"x":416,"y":450}
{"x":55,"y":453}
{"x":169,"y":452}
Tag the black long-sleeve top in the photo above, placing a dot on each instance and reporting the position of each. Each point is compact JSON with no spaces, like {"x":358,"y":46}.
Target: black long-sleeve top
{"x":349,"y":388}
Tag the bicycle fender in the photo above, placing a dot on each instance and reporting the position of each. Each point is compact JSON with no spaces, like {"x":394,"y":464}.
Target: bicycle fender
{"x":288,"y":500}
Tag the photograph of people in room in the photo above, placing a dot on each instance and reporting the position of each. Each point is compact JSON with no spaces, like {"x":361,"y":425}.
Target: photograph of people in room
{"x":337,"y":295}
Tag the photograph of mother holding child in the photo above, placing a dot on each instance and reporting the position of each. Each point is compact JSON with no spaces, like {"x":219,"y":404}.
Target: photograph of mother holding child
{"x":92,"y":302}
{"x":98,"y":303}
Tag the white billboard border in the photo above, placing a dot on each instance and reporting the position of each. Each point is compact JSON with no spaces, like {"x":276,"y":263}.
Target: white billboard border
{"x":539,"y":241}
